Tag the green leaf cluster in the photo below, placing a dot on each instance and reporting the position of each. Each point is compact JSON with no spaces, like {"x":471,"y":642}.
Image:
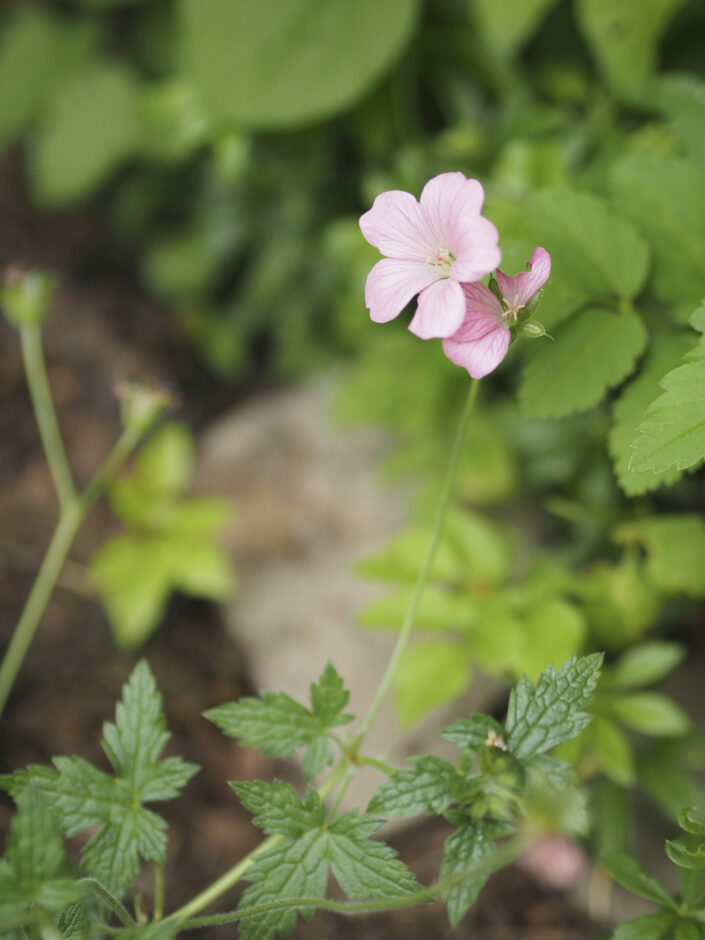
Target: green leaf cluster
{"x":503,"y":772}
{"x":280,"y":726}
{"x":81,"y":797}
{"x":170,"y":544}
{"x":471,"y":613}
{"x":682,"y":913}
{"x":310,"y":849}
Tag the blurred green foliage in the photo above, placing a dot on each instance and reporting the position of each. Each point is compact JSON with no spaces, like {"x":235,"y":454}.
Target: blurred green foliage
{"x":233,"y":146}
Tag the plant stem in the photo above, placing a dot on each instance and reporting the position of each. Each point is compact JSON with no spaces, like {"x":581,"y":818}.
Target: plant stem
{"x":72,"y":515}
{"x":410,"y":616}
{"x":158,"y":890}
{"x":31,"y":341}
{"x":485,"y":866}
{"x":362,"y":760}
{"x":109,"y":899}
{"x":234,"y":874}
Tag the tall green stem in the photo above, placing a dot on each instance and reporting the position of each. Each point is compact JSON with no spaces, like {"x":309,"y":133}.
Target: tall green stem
{"x":72,"y":515}
{"x":416,"y":594}
{"x":31,"y":340}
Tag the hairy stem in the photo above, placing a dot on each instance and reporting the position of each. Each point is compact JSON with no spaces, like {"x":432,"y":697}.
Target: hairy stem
{"x":502,"y":856}
{"x":35,"y":370}
{"x":72,"y":515}
{"x":416,"y":594}
{"x":109,"y":899}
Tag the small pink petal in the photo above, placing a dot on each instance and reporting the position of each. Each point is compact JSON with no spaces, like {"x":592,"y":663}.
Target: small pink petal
{"x":479,"y":356}
{"x":396,"y":226}
{"x":391,"y":284}
{"x":449,"y":203}
{"x":518,"y":290}
{"x":441,"y":310}
{"x":476,"y":250}
{"x":480,"y":302}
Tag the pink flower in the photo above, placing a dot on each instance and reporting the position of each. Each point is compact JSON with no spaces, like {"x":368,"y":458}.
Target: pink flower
{"x":483,"y":339}
{"x":431,"y":248}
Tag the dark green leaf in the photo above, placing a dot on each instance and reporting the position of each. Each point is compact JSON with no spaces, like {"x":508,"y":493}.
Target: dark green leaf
{"x":591,"y":353}
{"x":648,"y":927}
{"x":673,"y":431}
{"x":329,"y":697}
{"x":665,"y":353}
{"x":429,"y":785}
{"x":472,"y":733}
{"x":278,"y":809}
{"x":541,"y":717}
{"x":470,"y":844}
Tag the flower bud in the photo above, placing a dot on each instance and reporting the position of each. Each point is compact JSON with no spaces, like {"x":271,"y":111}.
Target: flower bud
{"x":532,"y":329}
{"x":533,"y":303}
{"x":143,"y":405}
{"x":25,"y":296}
{"x":494,"y":287}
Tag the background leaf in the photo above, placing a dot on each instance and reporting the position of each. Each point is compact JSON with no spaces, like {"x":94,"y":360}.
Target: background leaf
{"x":285,"y":65}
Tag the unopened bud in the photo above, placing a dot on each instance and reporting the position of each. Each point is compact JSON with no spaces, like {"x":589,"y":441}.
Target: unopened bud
{"x":143,"y":405}
{"x":532,"y":329}
{"x":533,"y":303}
{"x":25,"y":296}
{"x":494,"y":287}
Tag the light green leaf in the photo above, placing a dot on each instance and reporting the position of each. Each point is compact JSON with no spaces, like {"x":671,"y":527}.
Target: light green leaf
{"x":624,"y":38}
{"x":613,"y":751}
{"x":627,"y":872}
{"x":643,"y":665}
{"x":592,"y":248}
{"x":165,"y":464}
{"x":675,"y":550}
{"x":552,"y":631}
{"x":648,"y":927}
{"x":663,"y":194}
{"x":688,"y":822}
{"x":133,"y":584}
{"x":467,"y":845}
{"x":429,"y":785}
{"x":38,"y":51}
{"x":505,"y":25}
{"x":651,"y":713}
{"x":665,"y":352}
{"x":682,"y":98}
{"x":199,"y":568}
{"x":438,"y":609}
{"x":430,"y":675}
{"x":305,"y":59}
{"x":88,"y":130}
{"x":540,"y":718}
{"x":590,"y":354}
{"x":673,"y":432}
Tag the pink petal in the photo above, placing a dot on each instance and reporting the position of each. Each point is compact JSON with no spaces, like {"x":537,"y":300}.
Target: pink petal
{"x":480,"y":356}
{"x":519,"y":290}
{"x":391,"y":284}
{"x":396,"y":226}
{"x":450,"y":203}
{"x":441,"y":310}
{"x":476,"y":250}
{"x":480,"y":305}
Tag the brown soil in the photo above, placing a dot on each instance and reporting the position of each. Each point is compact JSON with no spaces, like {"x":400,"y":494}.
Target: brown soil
{"x":102,"y":329}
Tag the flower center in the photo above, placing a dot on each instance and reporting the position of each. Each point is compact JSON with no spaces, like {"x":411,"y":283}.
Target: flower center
{"x":441,"y":260}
